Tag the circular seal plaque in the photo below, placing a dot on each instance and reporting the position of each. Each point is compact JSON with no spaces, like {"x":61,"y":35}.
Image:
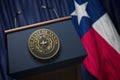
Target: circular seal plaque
{"x":43,"y":44}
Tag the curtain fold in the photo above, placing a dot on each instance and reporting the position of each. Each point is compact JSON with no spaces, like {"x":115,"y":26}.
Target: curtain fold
{"x":3,"y":64}
{"x":17,"y":13}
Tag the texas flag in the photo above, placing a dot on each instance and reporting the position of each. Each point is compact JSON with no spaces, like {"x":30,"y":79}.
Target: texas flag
{"x":99,"y":38}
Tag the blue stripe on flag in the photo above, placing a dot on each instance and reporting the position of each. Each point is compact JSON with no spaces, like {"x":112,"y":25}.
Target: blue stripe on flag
{"x":94,"y":10}
{"x":84,"y":27}
{"x":81,"y":1}
{"x":72,"y":6}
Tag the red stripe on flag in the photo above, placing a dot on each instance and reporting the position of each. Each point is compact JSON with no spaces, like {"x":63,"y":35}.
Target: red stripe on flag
{"x":102,"y":60}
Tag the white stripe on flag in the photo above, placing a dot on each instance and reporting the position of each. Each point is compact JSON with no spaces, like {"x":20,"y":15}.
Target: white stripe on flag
{"x":106,"y":29}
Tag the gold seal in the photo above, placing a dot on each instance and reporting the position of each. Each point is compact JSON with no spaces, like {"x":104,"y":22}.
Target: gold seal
{"x":43,"y":44}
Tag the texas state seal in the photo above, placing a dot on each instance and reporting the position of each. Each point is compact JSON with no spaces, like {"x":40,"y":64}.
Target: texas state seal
{"x":43,"y":44}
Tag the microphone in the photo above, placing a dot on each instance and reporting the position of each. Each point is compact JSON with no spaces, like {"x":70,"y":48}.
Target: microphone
{"x":15,"y":20}
{"x":46,"y":7}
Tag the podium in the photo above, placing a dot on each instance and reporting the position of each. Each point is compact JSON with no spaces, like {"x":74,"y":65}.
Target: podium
{"x":22,"y":64}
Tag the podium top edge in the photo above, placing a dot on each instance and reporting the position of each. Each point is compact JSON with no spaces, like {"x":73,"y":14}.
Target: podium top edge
{"x":37,"y":24}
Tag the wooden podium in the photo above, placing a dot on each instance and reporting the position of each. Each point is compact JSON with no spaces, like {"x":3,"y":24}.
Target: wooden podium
{"x":65,"y":66}
{"x":67,"y":73}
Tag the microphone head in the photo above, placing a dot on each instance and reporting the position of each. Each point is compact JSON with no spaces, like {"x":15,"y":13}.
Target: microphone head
{"x":43,"y":6}
{"x":19,"y":13}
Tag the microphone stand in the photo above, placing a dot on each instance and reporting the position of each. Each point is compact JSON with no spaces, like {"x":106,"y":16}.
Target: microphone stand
{"x":46,"y":7}
{"x":55,"y":13}
{"x":15,"y":19}
{"x":15,"y":22}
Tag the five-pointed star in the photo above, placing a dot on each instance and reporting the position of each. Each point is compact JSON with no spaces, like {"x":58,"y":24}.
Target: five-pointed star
{"x":80,"y":11}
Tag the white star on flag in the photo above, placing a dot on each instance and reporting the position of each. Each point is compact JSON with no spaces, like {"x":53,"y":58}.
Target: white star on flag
{"x":80,"y":11}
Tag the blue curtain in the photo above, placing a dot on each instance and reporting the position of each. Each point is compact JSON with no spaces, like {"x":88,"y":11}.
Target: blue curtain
{"x":31,"y":11}
{"x":16,"y":13}
{"x":3,"y":65}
